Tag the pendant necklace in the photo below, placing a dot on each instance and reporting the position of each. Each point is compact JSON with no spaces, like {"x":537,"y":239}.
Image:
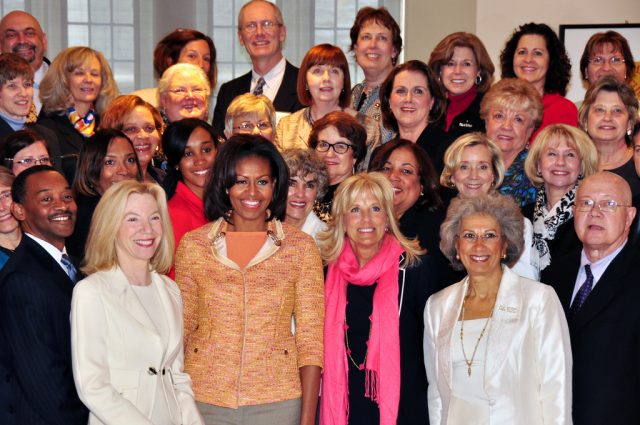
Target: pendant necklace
{"x":469,"y":362}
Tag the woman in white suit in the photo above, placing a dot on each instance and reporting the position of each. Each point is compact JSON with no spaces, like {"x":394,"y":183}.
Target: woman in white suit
{"x":126,"y":317}
{"x":496,"y":345}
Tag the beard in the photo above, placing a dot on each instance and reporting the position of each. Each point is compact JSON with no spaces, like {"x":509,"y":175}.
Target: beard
{"x":26,"y":51}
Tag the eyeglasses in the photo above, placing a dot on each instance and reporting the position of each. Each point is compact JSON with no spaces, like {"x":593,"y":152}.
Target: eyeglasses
{"x":183,"y":91}
{"x":485,"y":238}
{"x":605,"y":205}
{"x":29,"y":161}
{"x":339,"y":147}
{"x":613,"y":61}
{"x":266,"y":25}
{"x":249,"y":126}
{"x":5,"y":196}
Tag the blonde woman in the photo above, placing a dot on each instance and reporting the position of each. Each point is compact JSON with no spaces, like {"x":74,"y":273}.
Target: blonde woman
{"x":375,"y":292}
{"x":126,"y":316}
{"x":75,"y":91}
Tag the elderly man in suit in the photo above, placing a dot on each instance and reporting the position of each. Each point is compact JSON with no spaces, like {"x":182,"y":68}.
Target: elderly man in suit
{"x":599,"y":287}
{"x":262,"y":32}
{"x":35,"y":301}
{"x":20,"y":33}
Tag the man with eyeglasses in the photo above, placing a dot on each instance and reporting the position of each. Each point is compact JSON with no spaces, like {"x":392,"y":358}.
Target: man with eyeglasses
{"x":262,"y":32}
{"x":599,"y":287}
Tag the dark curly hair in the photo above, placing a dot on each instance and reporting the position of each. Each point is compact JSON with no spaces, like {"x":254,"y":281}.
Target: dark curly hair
{"x":430,"y":197}
{"x":559,"y":71}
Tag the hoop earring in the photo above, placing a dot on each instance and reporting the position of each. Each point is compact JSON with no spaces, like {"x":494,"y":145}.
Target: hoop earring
{"x":478,"y":79}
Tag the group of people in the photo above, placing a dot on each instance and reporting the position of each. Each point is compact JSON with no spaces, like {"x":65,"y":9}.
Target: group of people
{"x":426,"y":246}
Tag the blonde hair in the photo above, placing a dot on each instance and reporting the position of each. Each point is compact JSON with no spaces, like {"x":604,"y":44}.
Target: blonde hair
{"x":54,"y":87}
{"x":552,"y":135}
{"x":453,"y":157}
{"x":107,"y":219}
{"x":249,"y":104}
{"x":377,"y":184}
{"x":516,"y":95}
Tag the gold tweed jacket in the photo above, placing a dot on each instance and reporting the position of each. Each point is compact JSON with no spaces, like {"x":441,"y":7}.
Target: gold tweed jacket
{"x":239,"y":349}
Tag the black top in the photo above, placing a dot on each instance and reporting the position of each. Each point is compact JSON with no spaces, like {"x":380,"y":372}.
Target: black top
{"x":628,"y":172}
{"x":424,"y":225}
{"x":76,"y":242}
{"x":69,"y":138}
{"x":634,"y":233}
{"x":415,"y":286}
{"x":435,"y":139}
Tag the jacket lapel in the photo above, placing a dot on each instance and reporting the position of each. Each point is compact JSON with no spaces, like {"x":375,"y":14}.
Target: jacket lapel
{"x":171,"y":306}
{"x":446,"y":333}
{"x":606,"y":288}
{"x":130,"y":301}
{"x":504,"y":326}
{"x":56,"y":274}
{"x":287,"y":93}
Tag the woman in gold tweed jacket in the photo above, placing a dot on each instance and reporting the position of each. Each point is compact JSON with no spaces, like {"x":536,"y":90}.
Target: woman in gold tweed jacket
{"x":243,"y":277}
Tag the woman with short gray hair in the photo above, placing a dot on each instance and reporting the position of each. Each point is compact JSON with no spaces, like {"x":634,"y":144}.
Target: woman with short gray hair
{"x":480,"y":331}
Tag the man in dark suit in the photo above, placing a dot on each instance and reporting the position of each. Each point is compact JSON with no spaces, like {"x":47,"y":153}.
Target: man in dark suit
{"x":36,"y":286}
{"x":599,"y":287}
{"x":262,"y":32}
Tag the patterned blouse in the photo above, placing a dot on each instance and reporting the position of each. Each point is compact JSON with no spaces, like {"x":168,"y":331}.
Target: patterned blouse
{"x":516,"y":184}
{"x":370,"y":106}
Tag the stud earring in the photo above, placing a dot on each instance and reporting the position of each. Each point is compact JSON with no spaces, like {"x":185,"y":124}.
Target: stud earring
{"x":478,"y":79}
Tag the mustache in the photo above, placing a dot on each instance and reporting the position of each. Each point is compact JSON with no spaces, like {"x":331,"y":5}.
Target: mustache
{"x":60,"y":213}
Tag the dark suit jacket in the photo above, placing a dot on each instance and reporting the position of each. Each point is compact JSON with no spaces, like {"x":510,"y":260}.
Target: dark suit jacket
{"x":69,"y":138}
{"x":48,"y":135}
{"x":605,"y":340}
{"x":35,"y":341}
{"x":286,"y":99}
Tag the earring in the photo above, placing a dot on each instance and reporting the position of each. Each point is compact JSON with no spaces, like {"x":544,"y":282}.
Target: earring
{"x":478,"y":79}
{"x":386,"y":230}
{"x":504,"y":256}
{"x":580,"y":176}
{"x":353,"y":169}
{"x":457,"y":257}
{"x":629,"y":132}
{"x":177,"y":167}
{"x":538,"y":173}
{"x":226,"y":191}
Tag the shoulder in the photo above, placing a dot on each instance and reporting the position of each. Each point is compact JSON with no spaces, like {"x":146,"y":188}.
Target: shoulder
{"x":168,"y":284}
{"x":555,"y":102}
{"x":442,"y":299}
{"x":295,"y":235}
{"x":235,"y":83}
{"x":289,"y":68}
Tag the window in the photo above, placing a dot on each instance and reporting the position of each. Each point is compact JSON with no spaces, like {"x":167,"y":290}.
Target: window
{"x":309,"y":22}
{"x":106,"y":26}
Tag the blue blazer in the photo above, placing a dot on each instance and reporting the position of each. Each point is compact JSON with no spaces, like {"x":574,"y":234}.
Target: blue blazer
{"x":37,"y":384}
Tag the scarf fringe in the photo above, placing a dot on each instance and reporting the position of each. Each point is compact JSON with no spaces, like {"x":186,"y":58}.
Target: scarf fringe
{"x":371,"y":384}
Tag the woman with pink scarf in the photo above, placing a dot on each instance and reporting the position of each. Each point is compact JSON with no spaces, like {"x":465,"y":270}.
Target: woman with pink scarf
{"x":376,"y":288}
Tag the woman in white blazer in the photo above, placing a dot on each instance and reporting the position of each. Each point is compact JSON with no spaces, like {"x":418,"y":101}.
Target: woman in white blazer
{"x":496,"y":345}
{"x":126,"y":318}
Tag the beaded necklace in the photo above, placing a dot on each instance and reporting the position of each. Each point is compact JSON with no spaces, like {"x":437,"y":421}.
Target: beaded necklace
{"x":359,"y":366}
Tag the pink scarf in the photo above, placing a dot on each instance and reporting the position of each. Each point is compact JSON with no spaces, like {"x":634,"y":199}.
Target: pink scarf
{"x":382,"y":379}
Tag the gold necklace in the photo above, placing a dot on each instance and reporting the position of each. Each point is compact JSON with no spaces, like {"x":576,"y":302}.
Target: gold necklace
{"x":469,"y":362}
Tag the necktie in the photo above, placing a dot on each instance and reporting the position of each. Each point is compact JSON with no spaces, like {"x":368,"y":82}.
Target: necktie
{"x":583,"y":292}
{"x":70,"y":268}
{"x":258,"y":90}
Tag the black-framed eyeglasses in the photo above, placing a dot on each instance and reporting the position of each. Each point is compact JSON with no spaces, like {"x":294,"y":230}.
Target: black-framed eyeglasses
{"x":339,"y":147}
{"x":30,"y":161}
{"x":604,"y":205}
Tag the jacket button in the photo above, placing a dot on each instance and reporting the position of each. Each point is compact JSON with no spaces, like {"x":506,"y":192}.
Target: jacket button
{"x":492,"y":402}
{"x":195,"y":350}
{"x":286,"y":352}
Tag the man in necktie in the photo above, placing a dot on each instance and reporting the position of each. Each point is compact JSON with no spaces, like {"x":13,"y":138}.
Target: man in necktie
{"x":35,"y":301}
{"x":599,"y":287}
{"x":262,"y":32}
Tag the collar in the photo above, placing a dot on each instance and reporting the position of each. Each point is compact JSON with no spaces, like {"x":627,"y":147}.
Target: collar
{"x":52,"y":250}
{"x":273,"y":73}
{"x":14,"y":123}
{"x":599,"y":267}
{"x":39,"y":74}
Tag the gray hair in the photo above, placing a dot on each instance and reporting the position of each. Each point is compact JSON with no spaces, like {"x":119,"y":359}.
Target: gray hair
{"x":186,"y":68}
{"x":501,"y":208}
{"x":304,"y":161}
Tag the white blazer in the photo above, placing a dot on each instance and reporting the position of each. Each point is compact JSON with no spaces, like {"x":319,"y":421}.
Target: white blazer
{"x":120,"y":360}
{"x":527,"y":376}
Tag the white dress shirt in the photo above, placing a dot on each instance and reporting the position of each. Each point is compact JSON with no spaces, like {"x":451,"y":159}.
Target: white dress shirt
{"x":597,"y":269}
{"x":272,"y":79}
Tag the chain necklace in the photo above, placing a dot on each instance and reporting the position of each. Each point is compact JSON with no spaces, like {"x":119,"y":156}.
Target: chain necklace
{"x":359,"y":366}
{"x":469,"y":362}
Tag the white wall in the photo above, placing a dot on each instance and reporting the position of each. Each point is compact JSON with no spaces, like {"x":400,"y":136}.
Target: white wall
{"x":428,"y":21}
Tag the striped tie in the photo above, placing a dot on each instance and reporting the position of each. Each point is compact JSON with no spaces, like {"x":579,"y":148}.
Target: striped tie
{"x":583,"y":293}
{"x":259,"y":87}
